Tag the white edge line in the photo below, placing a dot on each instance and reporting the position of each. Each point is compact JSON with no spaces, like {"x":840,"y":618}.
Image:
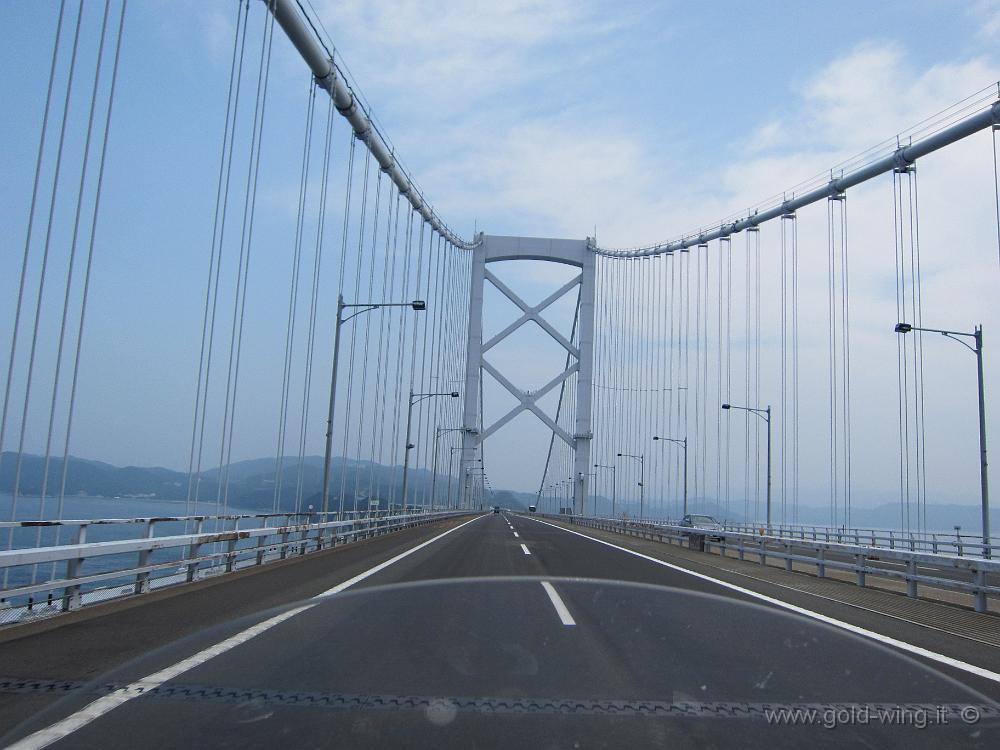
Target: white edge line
{"x":888,"y":640}
{"x":95,"y":710}
{"x":557,"y":602}
{"x":524,"y":547}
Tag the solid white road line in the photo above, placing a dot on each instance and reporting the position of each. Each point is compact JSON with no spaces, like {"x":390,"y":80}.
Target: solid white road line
{"x":888,"y":640}
{"x":525,"y":549}
{"x":78,"y":720}
{"x":557,"y":602}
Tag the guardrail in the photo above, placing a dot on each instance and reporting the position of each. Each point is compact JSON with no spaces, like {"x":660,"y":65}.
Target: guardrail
{"x":824,"y":556}
{"x":192,"y":555}
{"x":914,"y":541}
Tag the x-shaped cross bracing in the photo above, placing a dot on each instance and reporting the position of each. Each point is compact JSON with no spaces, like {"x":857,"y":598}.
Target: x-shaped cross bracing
{"x":529,"y":401}
{"x":532,"y":313}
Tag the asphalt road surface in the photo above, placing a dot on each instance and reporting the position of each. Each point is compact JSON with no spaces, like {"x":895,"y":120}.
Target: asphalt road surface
{"x":507,"y":631}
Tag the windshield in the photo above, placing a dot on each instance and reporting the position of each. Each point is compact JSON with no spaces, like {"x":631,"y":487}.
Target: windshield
{"x":702,"y":519}
{"x":546,"y":662}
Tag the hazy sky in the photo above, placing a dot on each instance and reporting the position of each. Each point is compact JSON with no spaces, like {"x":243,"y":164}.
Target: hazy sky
{"x":642,"y":121}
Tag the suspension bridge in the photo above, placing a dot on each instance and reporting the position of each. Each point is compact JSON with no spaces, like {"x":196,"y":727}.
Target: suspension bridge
{"x":707,"y":385}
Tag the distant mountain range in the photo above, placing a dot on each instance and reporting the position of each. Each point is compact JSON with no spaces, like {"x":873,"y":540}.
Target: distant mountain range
{"x":252,"y":486}
{"x":251,"y":483}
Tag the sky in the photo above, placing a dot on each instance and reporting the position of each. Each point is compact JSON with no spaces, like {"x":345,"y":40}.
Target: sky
{"x":634,"y":121}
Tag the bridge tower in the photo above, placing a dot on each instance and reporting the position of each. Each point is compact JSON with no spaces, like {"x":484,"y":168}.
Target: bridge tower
{"x":578,"y":253}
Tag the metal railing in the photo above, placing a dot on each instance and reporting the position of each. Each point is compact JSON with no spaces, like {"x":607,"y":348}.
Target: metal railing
{"x":143,"y":561}
{"x":959,"y":573}
{"x":915,"y":541}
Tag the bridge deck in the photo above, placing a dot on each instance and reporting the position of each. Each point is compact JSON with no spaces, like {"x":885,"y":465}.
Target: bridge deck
{"x":424,"y":638}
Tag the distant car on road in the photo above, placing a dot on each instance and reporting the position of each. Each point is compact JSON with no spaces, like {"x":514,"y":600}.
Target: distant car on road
{"x":532,"y":508}
{"x":701,"y":522}
{"x":496,"y":508}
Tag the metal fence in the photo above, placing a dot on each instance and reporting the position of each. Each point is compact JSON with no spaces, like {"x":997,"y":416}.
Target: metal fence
{"x":914,"y":541}
{"x":975,"y":576}
{"x":40,"y":581}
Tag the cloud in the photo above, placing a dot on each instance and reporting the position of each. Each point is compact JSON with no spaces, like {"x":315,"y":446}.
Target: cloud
{"x":988,"y":12}
{"x":561,"y":173}
{"x":458,"y":54}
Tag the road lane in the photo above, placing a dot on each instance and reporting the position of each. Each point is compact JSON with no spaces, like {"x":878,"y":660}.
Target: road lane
{"x":946,"y":655}
{"x":452,"y":659}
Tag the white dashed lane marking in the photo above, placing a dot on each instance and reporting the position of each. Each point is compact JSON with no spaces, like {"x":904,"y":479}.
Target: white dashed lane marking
{"x":557,"y":602}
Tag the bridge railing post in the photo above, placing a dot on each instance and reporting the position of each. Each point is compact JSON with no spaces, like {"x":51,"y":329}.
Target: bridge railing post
{"x":261,"y":549}
{"x":142,"y":578}
{"x":193,"y":549}
{"x":231,"y":547}
{"x":71,"y":594}
{"x":979,"y":595}
{"x":911,"y":579}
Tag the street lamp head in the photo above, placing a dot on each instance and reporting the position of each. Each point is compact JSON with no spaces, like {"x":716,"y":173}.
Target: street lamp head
{"x":410,"y":446}
{"x":619,"y":455}
{"x":454,"y":394}
{"x":656,"y":437}
{"x":418,"y":304}
{"x":725,"y":406}
{"x":903,"y":328}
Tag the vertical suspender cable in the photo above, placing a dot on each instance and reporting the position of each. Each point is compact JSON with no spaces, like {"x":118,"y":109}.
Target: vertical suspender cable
{"x":996,"y":184}
{"x":358,"y":265}
{"x":720,"y":273}
{"x":243,"y":269}
{"x":400,"y":349}
{"x":89,"y":266}
{"x":24,"y":262}
{"x":729,"y":362}
{"x":901,"y":360}
{"x":795,"y":369}
{"x":69,"y":278}
{"x":313,"y":307}
{"x":832,"y":335}
{"x":918,"y":316}
{"x":27,"y":242}
{"x":846,"y":358}
{"x":369,"y":297}
{"x":748,"y":299}
{"x":15,"y":490}
{"x":293,"y":292}
{"x":384,"y":336}
{"x":784,"y":367}
{"x":698,"y":394}
{"x":212,"y":287}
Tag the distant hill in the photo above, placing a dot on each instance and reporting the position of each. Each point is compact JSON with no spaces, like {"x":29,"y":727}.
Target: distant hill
{"x":251,"y":483}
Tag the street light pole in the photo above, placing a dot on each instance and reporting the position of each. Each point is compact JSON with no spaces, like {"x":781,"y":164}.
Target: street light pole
{"x":641,"y":458}
{"x":438,"y":432}
{"x":451,"y":469}
{"x":414,"y":398}
{"x":683,"y":443}
{"x":417,"y":305}
{"x":464,"y":492}
{"x":614,"y":484}
{"x":764,"y":414}
{"x":984,"y":485}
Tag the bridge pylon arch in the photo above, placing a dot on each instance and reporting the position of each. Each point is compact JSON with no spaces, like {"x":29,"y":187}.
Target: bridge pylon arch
{"x":577,"y":253}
